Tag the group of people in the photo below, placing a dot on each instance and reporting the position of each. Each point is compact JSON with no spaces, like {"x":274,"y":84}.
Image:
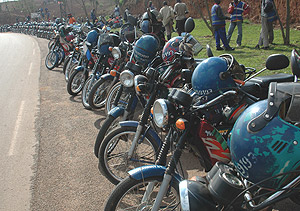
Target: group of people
{"x":236,"y":10}
{"x":168,"y":14}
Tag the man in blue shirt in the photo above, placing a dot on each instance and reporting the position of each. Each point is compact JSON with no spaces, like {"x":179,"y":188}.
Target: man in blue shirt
{"x":218,"y":22}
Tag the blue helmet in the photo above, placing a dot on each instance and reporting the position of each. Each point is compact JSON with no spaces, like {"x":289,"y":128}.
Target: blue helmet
{"x":145,"y":26}
{"x":92,"y":37}
{"x":265,"y":140}
{"x":211,"y":78}
{"x":145,"y":49}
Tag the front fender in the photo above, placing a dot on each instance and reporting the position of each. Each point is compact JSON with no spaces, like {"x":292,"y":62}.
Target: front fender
{"x":107,"y":76}
{"x":150,"y":131}
{"x":79,"y":68}
{"x":150,"y":171}
{"x":116,"y":111}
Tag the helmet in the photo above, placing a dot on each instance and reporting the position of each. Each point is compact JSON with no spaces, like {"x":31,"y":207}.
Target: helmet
{"x":145,"y":26}
{"x":62,"y":31}
{"x":170,"y":48}
{"x":216,"y":75}
{"x":92,"y":37}
{"x":264,"y":141}
{"x":145,"y":49}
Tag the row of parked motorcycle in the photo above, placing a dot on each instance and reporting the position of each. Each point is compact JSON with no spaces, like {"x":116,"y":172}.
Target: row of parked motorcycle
{"x":160,"y":100}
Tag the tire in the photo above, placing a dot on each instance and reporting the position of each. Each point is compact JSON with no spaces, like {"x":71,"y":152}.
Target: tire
{"x":61,"y":57}
{"x":112,"y":95}
{"x":117,"y":142}
{"x":66,"y":64}
{"x":70,"y":70}
{"x":51,"y":60}
{"x":99,"y":92}
{"x":76,"y":82}
{"x":128,"y":194}
{"x":109,"y":123}
{"x":85,"y":91}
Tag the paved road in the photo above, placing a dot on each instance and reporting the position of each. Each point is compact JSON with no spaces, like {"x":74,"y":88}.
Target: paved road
{"x":47,"y":158}
{"x":19,"y":90}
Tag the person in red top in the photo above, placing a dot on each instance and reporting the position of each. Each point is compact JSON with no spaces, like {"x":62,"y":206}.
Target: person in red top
{"x":71,"y":19}
{"x":236,"y":10}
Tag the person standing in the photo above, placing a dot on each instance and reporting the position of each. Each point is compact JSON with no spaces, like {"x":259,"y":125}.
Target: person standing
{"x":71,"y":19}
{"x":167,"y":14}
{"x":180,"y":10}
{"x":93,"y":16}
{"x":268,"y":16}
{"x":116,"y":11}
{"x":150,"y":6}
{"x":218,"y":23}
{"x":236,"y":10}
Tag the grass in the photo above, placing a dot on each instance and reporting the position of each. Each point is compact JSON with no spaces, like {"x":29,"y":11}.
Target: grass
{"x":247,"y":54}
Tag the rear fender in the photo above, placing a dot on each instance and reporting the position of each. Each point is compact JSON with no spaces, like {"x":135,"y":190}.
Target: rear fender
{"x":150,"y":171}
{"x":150,"y":131}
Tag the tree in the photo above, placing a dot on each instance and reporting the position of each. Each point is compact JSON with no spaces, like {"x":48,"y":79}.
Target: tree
{"x":286,"y":34}
{"x":197,"y":5}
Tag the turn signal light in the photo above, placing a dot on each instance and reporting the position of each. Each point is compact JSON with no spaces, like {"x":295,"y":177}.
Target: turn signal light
{"x":138,"y":88}
{"x":110,"y":48}
{"x":239,"y":82}
{"x":113,"y":73}
{"x":152,"y":110}
{"x":180,"y":124}
{"x":77,"y":48}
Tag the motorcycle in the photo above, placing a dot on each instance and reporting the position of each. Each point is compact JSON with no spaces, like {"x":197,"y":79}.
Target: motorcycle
{"x":143,"y":182}
{"x":59,"y":48}
{"x":103,"y":65}
{"x":101,"y":88}
{"x":154,"y":84}
{"x":265,"y":156}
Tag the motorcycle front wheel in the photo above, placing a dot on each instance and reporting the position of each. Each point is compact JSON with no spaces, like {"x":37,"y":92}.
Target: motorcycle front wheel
{"x":112,"y":95}
{"x":98,"y":94}
{"x":76,"y":82}
{"x":109,"y":123}
{"x":129,"y":193}
{"x":51,"y":60}
{"x":85,"y":92}
{"x":113,"y":160}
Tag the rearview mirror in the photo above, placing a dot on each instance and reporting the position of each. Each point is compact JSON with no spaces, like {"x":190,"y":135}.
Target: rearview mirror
{"x":277,"y":62}
{"x":295,"y":63}
{"x":189,"y":25}
{"x":209,"y":51}
{"x":132,"y":20}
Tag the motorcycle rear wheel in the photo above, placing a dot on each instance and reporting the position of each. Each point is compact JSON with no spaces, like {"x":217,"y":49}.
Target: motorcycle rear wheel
{"x":113,"y":161}
{"x":128,"y":195}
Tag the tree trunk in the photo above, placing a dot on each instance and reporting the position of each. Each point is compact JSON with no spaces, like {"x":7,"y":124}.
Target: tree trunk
{"x":280,"y":23}
{"x":287,"y":32}
{"x":202,"y":16}
{"x":84,"y":8}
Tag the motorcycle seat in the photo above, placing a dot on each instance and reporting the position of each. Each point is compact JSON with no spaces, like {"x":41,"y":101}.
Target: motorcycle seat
{"x":259,"y":86}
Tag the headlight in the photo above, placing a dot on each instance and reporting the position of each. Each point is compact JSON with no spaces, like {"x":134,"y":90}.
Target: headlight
{"x":126,"y":78}
{"x":160,"y":113}
{"x":116,"y":53}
